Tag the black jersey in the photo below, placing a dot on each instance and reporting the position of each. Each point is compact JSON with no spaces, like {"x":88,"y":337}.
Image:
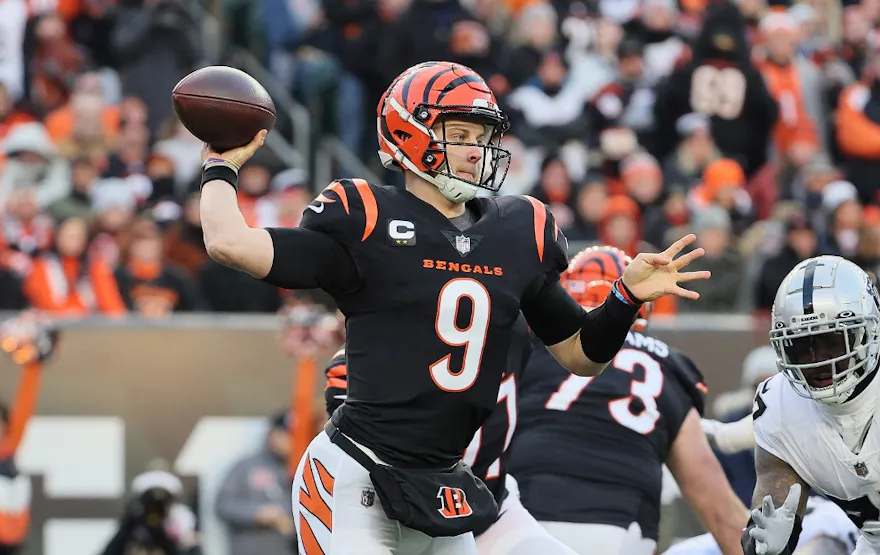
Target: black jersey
{"x":591,"y":450}
{"x":429,"y":326}
{"x":485,"y":454}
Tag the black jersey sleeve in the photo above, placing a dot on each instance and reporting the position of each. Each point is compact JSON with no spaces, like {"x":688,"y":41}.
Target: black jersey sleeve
{"x":684,"y":388}
{"x":318,"y":254}
{"x":306,"y":259}
{"x":690,"y":378}
{"x":336,"y":388}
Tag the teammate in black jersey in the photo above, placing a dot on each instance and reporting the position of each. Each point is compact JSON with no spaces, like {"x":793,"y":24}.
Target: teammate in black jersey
{"x":431,"y":280}
{"x":588,"y":452}
{"x":515,"y":532}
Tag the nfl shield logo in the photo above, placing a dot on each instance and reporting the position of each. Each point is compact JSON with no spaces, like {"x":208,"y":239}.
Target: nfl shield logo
{"x":861,"y":469}
{"x":463,"y":244}
{"x":368,"y":497}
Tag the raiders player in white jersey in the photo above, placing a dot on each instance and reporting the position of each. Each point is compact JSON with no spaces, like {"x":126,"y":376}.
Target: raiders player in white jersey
{"x":813,"y":421}
{"x":827,"y":530}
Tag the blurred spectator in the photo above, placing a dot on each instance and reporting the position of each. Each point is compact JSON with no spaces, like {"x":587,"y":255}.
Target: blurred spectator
{"x":254,"y":180}
{"x":844,"y":221}
{"x":85,"y":126}
{"x":33,"y":161}
{"x":796,"y":85}
{"x":155,"y":520}
{"x":148,"y":286}
{"x":183,"y":241}
{"x":54,"y":62}
{"x":721,"y":82}
{"x":254,"y":499}
{"x":642,"y":180}
{"x":157,"y":43}
{"x":627,"y":101}
{"x":10,"y":115}
{"x":534,"y":34}
{"x":684,"y":168}
{"x":722,"y":293}
{"x":291,"y":194}
{"x":114,"y":205}
{"x":13,"y":21}
{"x":184,"y":151}
{"x":548,"y":109}
{"x":556,"y":190}
{"x":83,"y":176}
{"x":68,"y":282}
{"x":800,"y":244}
{"x":855,"y":48}
{"x":621,"y":226}
{"x":656,"y":29}
{"x":858,"y":132}
{"x":591,"y":199}
{"x":724,"y":184}
{"x":26,"y":231}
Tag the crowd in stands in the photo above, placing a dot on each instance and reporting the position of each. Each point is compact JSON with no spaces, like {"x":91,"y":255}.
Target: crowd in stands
{"x":753,"y":123}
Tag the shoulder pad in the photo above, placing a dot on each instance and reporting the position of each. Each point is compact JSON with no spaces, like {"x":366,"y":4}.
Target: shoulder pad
{"x":551,"y":245}
{"x":346,"y":209}
{"x":689,"y":376}
{"x":769,"y":398}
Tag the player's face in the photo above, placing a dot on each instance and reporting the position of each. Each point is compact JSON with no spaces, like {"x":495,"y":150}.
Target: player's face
{"x":465,"y":156}
{"x":816,"y":348}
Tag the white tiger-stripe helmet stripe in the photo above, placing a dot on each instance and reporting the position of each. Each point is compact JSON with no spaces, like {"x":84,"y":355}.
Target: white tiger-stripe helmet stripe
{"x":826,"y":328}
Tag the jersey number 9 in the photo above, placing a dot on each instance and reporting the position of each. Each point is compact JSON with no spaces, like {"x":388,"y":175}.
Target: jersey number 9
{"x":472,"y":336}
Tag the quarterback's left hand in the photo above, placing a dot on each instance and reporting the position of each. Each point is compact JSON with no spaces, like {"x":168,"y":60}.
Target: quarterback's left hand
{"x":651,"y":276}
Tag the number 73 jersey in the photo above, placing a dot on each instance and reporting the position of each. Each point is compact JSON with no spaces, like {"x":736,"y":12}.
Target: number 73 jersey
{"x":807,"y":436}
{"x":615,"y":429}
{"x":429,"y":326}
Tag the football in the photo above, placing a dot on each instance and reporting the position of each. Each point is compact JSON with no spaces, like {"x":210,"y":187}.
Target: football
{"x":223,"y":106}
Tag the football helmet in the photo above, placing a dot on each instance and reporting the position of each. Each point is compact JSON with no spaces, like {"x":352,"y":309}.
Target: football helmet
{"x":590,"y":274}
{"x":825,"y":328}
{"x":430,"y":94}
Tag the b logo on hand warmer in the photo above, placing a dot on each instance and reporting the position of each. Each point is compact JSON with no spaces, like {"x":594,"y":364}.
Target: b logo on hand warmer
{"x":453,"y":503}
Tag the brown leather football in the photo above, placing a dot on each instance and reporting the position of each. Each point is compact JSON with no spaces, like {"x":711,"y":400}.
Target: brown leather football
{"x":223,"y":106}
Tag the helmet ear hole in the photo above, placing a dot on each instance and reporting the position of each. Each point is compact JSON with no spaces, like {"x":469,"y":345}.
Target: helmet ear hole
{"x":433,"y":160}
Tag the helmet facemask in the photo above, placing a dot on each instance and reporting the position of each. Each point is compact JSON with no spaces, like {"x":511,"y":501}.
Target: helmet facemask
{"x":825,"y":361}
{"x":433,"y":144}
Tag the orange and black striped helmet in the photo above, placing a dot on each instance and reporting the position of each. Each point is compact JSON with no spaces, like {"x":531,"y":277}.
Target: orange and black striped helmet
{"x":424,"y":97}
{"x":590,"y":274}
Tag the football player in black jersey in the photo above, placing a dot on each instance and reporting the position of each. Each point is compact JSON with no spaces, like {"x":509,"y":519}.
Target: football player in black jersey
{"x":516,"y":532}
{"x":430,"y":279}
{"x":589,"y":451}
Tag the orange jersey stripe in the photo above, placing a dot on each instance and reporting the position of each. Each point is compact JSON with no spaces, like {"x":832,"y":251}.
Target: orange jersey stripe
{"x":371,"y":209}
{"x":337,"y":188}
{"x":540,"y":223}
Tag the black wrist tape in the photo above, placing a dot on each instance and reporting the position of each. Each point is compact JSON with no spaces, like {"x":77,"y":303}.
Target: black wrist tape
{"x":220,"y":172}
{"x":604,"y":329}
